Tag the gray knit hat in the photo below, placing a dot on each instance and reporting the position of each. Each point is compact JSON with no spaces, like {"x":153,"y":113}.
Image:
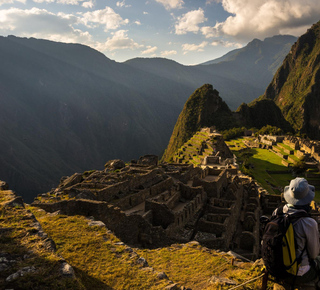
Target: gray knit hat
{"x":299,"y":192}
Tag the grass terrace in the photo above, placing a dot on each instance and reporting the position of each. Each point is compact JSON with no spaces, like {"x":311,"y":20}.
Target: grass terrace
{"x":266,"y":167}
{"x":101,"y":261}
{"x":23,"y":247}
{"x":192,"y":151}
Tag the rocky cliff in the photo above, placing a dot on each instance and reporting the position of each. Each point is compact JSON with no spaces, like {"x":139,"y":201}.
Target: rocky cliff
{"x":295,"y":87}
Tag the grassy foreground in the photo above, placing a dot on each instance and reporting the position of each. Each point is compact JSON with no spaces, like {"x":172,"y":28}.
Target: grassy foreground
{"x":23,"y":246}
{"x":101,"y":261}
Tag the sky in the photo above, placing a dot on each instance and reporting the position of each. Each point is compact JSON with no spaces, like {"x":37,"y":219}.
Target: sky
{"x":187,"y":31}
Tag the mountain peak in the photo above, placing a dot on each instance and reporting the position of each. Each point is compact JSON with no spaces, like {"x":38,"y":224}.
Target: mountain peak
{"x":204,"y":108}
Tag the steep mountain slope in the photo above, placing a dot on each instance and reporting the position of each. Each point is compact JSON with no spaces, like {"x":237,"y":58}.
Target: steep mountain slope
{"x":68,"y":108}
{"x":296,"y":86}
{"x":204,"y":108}
{"x":260,"y":113}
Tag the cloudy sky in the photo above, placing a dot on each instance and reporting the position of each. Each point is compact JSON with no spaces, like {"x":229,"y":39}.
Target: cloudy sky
{"x":187,"y":31}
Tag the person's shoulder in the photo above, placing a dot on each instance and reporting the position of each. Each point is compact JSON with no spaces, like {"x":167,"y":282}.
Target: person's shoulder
{"x":308,"y":220}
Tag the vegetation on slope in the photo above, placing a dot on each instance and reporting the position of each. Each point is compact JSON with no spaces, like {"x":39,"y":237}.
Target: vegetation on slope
{"x":262,"y":112}
{"x":267,"y":168}
{"x":296,"y":86}
{"x":195,"y":149}
{"x":27,"y":259}
{"x":101,"y":261}
{"x":204,"y":108}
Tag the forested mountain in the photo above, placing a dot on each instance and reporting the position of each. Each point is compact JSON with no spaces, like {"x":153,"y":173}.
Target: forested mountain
{"x":68,"y":108}
{"x":205,"y":108}
{"x":296,"y":86}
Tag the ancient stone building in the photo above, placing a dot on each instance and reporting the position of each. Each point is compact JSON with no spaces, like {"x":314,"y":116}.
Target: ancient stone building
{"x":154,"y":205}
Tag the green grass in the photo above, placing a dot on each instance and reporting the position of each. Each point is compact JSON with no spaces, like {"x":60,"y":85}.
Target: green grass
{"x":237,"y":143}
{"x":22,"y":243}
{"x":98,"y":262}
{"x":193,"y":266}
{"x":285,"y":146}
{"x":263,"y":160}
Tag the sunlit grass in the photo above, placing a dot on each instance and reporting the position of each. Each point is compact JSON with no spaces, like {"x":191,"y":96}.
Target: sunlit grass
{"x":194,"y":266}
{"x":264,"y":160}
{"x":19,"y":240}
{"x":98,"y":262}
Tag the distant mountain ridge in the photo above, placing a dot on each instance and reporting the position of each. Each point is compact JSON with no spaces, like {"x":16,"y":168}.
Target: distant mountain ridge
{"x":242,"y":76}
{"x":68,"y":108}
{"x":276,"y":48}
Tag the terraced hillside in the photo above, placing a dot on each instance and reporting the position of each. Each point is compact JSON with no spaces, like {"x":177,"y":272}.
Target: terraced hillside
{"x":201,"y":145}
{"x":41,"y":250}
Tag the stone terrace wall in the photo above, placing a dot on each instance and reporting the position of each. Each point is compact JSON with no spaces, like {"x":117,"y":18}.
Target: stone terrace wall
{"x":133,"y":229}
{"x":161,"y":214}
{"x":134,"y":198}
{"x":110,"y":192}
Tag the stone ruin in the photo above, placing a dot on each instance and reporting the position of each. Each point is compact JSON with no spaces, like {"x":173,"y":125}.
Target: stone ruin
{"x":151,"y":205}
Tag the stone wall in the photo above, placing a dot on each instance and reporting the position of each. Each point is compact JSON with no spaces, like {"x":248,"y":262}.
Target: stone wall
{"x":187,"y":212}
{"x":213,"y":188}
{"x":294,"y":144}
{"x":162,"y":215}
{"x":190,"y":193}
{"x":299,"y":154}
{"x":133,"y":229}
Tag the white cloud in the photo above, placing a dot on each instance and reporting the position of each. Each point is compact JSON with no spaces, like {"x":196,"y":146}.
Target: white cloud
{"x":150,"y":50}
{"x":42,"y":1}
{"x":69,"y":2}
{"x":122,"y":4}
{"x":226,"y":43}
{"x":40,"y":23}
{"x":190,"y":22}
{"x":212,"y":1}
{"x":145,"y":13}
{"x":166,"y":53}
{"x":11,"y":1}
{"x":194,"y":47}
{"x":119,"y":40}
{"x":106,"y":17}
{"x":262,"y":18}
{"x":171,"y":4}
{"x":88,"y":4}
{"x":137,"y":22}
{"x":209,"y":31}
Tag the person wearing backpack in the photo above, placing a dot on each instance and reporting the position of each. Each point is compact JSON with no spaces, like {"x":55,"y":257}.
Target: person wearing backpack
{"x":304,"y":265}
